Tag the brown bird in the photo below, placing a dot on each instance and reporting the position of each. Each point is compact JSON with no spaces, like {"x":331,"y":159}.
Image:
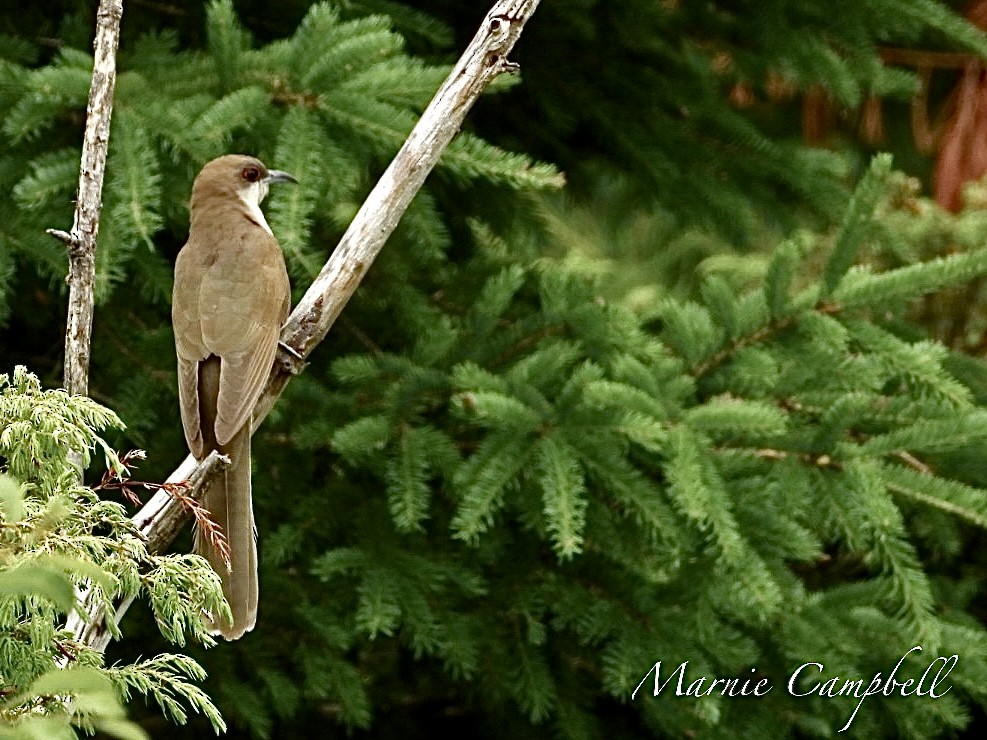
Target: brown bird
{"x":230,"y":299}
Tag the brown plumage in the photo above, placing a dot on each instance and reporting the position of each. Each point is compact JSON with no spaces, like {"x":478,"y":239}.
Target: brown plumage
{"x":230,"y":299}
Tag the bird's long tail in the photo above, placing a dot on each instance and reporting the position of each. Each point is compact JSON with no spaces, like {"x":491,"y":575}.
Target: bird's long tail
{"x":229,"y":503}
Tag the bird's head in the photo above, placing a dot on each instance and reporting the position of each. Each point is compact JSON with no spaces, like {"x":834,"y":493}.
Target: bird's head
{"x":235,"y":176}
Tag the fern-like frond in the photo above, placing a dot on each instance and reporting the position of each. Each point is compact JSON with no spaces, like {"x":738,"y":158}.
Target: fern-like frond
{"x":400,"y":81}
{"x":303,"y":151}
{"x":210,"y":134}
{"x":228,"y":41}
{"x":563,"y":493}
{"x":854,"y":230}
{"x":134,"y":181}
{"x":349,"y":48}
{"x":52,"y":176}
{"x":482,"y":480}
{"x":49,"y":92}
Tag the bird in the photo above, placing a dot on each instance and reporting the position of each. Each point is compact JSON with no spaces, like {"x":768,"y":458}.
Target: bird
{"x":231,"y":297}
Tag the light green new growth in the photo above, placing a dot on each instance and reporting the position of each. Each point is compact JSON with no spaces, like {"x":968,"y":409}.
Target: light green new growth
{"x":56,"y":534}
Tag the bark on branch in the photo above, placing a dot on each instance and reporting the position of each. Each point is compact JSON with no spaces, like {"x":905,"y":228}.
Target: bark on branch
{"x":483,"y":60}
{"x":81,"y":240}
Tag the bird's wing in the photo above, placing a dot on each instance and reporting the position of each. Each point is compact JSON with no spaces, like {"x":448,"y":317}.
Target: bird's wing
{"x":189,"y":347}
{"x":241,"y":381}
{"x":188,"y":400}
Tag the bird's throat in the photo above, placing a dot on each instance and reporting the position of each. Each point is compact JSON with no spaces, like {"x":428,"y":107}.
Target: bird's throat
{"x":251,"y":199}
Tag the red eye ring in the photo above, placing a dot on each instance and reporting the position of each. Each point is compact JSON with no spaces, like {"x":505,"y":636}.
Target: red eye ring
{"x":250,"y":174}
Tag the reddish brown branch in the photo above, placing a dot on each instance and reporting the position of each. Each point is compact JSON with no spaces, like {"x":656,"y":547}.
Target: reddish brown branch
{"x":923,"y":59}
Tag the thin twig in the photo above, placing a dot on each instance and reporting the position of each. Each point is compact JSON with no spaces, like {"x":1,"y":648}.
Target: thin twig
{"x":159,"y":522}
{"x":121,"y":482}
{"x":484,"y":59}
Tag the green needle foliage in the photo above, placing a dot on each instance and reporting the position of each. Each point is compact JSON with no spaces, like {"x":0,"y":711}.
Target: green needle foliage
{"x":335,"y":98}
{"x":740,"y":487}
{"x":57,"y":535}
{"x":550,"y":442}
{"x":700,"y":102}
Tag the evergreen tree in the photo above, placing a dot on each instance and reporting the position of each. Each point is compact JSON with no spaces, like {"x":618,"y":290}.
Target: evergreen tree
{"x":552,"y":442}
{"x":56,"y":534}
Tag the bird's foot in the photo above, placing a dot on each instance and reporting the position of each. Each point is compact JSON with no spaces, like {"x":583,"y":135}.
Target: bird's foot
{"x":290,"y":359}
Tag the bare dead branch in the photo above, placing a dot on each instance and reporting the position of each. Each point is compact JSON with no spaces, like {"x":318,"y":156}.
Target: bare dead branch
{"x":81,"y":240}
{"x":484,"y":59}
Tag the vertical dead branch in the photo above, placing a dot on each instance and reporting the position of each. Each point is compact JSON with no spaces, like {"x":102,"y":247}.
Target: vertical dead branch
{"x":81,"y":240}
{"x":484,"y":59}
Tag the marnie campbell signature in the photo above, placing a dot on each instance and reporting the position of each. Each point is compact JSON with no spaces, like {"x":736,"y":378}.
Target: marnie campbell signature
{"x":859,"y":688}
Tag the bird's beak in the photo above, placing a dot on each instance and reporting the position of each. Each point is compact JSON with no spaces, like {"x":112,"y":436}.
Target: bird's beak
{"x":279,"y":176}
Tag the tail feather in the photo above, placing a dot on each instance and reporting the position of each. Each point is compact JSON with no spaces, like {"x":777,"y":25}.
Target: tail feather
{"x":228,"y":500}
{"x":229,"y":503}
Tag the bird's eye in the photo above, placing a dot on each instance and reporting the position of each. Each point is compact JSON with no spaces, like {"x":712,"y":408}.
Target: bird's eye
{"x":250,"y":174}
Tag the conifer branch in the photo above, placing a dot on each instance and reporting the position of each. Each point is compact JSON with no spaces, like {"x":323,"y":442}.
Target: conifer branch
{"x":762,"y":334}
{"x":81,"y":240}
{"x":483,"y":60}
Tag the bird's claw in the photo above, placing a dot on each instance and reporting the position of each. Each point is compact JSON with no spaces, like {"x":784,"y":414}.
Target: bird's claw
{"x":290,"y":359}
